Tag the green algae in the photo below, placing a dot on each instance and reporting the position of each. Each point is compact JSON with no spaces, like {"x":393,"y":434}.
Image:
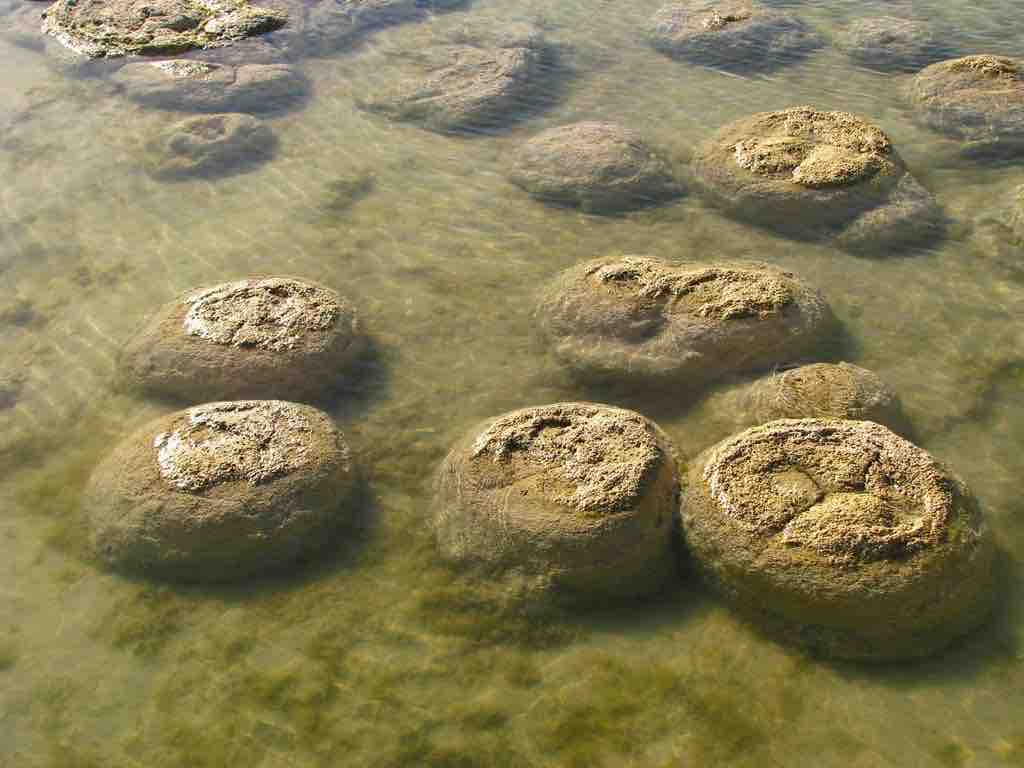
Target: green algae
{"x":144,"y":621}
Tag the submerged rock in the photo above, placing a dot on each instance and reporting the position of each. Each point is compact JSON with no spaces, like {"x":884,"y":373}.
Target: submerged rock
{"x":211,"y":145}
{"x":98,"y":28}
{"x":840,"y":536}
{"x":731,"y":34}
{"x":468,"y":88}
{"x":817,"y":175}
{"x":634,"y":317}
{"x":333,"y":25}
{"x":998,"y":234}
{"x":597,"y":166}
{"x":260,"y":337}
{"x":891,"y":44}
{"x":977,"y":100}
{"x":573,"y":500}
{"x":221,"y":491}
{"x":818,"y":390}
{"x":198,"y":86}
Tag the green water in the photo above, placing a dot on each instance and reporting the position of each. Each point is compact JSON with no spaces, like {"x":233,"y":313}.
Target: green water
{"x":379,"y":656}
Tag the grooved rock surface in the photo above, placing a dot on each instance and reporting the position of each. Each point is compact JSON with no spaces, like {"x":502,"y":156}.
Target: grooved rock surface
{"x":260,"y":337}
{"x":97,"y":28}
{"x":633,"y":316}
{"x":221,"y":491}
{"x":209,"y":146}
{"x":198,"y":86}
{"x":977,"y":100}
{"x":472,"y":88}
{"x":597,"y":166}
{"x":576,"y":500}
{"x":732,"y":34}
{"x":840,"y":536}
{"x":892,"y":44}
{"x":816,"y":174}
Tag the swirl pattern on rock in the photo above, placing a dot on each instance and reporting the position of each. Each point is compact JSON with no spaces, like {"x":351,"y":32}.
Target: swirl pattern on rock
{"x":639,"y":317}
{"x":209,"y":146}
{"x":97,"y":28}
{"x":732,"y":34}
{"x":597,"y":166}
{"x":841,"y":536}
{"x":198,"y":86}
{"x":977,"y":100}
{"x":471,"y":88}
{"x":891,"y":44}
{"x":261,"y":337}
{"x":815,"y":174}
{"x":221,"y":491}
{"x":574,"y":499}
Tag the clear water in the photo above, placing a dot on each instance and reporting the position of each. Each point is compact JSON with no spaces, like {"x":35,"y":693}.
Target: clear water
{"x":377,"y":657}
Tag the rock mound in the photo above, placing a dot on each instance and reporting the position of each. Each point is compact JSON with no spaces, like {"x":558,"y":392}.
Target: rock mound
{"x":891,"y":44}
{"x":634,"y":317}
{"x":840,"y":536}
{"x":210,"y":146}
{"x":731,"y":34}
{"x":976,"y":100}
{"x":260,"y":337}
{"x":576,"y":500}
{"x":597,"y":166}
{"x":815,"y":174}
{"x":198,"y":86}
{"x":221,"y":491}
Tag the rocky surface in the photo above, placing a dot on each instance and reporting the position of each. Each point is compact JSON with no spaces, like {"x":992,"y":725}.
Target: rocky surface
{"x":597,"y":166}
{"x":211,"y":146}
{"x":572,"y":500}
{"x":260,"y":337}
{"x":221,"y":491}
{"x":893,"y":44}
{"x":817,"y":174}
{"x":634,"y":317}
{"x":840,"y":536}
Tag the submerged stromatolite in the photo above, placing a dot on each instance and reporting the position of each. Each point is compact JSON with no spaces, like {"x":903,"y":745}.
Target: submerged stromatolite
{"x":221,"y":491}
{"x":260,"y":337}
{"x":209,"y":146}
{"x":840,"y":536}
{"x":571,"y":500}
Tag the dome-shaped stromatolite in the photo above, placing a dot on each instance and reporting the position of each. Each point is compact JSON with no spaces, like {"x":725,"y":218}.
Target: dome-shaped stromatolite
{"x":840,"y":536}
{"x":891,"y":44}
{"x":221,"y":491}
{"x":210,"y":146}
{"x":815,"y":174}
{"x":732,"y":34}
{"x":261,"y":337}
{"x":977,"y":100}
{"x":198,"y":86}
{"x":473,"y":88}
{"x":98,"y":28}
{"x":335,"y":24}
{"x":575,"y":500}
{"x":639,"y":317}
{"x":594,"y":165}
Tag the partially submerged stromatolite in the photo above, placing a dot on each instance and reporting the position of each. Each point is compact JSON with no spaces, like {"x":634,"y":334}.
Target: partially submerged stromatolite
{"x":571,"y":500}
{"x":633,"y":317}
{"x":262,"y":337}
{"x":221,"y":491}
{"x":816,"y":174}
{"x":840,"y":536}
{"x":976,"y":100}
{"x":731,"y":34}
{"x":598,"y":166}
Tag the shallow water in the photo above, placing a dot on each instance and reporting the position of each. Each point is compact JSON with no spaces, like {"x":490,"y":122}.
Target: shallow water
{"x":378,"y":656}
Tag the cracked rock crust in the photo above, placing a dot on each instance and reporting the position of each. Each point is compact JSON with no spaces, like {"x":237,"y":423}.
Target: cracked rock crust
{"x":97,"y":28}
{"x":575,"y":498}
{"x":636,"y":316}
{"x":840,"y":535}
{"x":732,"y":34}
{"x":977,"y":100}
{"x":221,"y":491}
{"x":259,"y":337}
{"x":816,"y":174}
